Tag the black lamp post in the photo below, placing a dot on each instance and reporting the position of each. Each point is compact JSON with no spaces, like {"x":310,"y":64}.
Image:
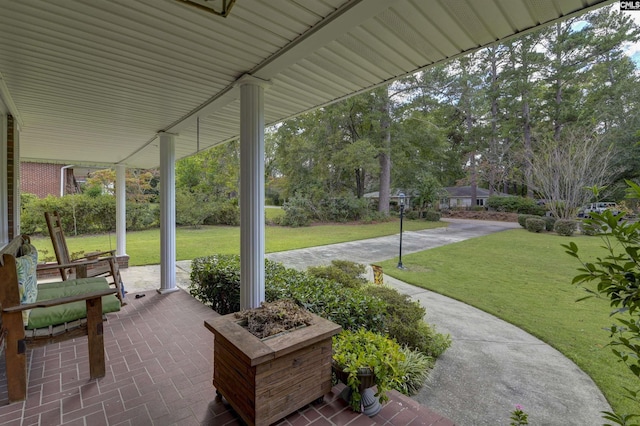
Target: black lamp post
{"x":401,"y":195}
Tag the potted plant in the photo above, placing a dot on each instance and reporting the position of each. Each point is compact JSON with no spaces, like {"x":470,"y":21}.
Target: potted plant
{"x":363,"y":359}
{"x":272,"y":360}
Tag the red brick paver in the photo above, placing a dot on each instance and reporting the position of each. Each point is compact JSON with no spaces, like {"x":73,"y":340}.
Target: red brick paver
{"x":159,"y":372}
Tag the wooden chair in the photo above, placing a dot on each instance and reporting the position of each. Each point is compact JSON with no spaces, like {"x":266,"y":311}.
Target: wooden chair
{"x":94,"y":264}
{"x":84,"y":303}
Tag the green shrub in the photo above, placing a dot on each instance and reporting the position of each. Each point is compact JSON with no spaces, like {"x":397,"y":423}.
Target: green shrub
{"x":142,"y":216}
{"x":522,"y":219}
{"x":362,"y":349}
{"x":549,"y":222}
{"x":191,"y":209}
{"x":565,"y":227}
{"x":341,"y":209}
{"x":412,"y":215}
{"x":414,"y":370}
{"x":590,"y":227}
{"x":349,"y":274}
{"x":404,"y":322}
{"x":515,"y":204}
{"x":534,"y":224}
{"x":431,"y":216}
{"x":372,"y":216}
{"x":297,"y":212}
{"x":215,"y":281}
{"x":224,"y":213}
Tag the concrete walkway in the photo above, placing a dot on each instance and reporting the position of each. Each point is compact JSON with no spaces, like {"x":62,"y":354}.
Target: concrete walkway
{"x":491,"y":366}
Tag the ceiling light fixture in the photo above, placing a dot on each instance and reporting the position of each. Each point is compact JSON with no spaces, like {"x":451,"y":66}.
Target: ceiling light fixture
{"x":208,"y":5}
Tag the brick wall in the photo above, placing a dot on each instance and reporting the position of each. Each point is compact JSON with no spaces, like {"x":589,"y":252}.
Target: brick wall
{"x":40,"y":179}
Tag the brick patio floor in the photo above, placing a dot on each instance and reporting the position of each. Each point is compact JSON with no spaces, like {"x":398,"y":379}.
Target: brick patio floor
{"x":159,"y":372}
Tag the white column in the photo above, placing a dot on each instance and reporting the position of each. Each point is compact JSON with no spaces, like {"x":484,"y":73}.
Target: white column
{"x":251,"y":192}
{"x":121,"y":210}
{"x":167,"y":213}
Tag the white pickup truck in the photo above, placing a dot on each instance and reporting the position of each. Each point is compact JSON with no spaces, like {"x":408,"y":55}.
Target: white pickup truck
{"x":599,"y":207}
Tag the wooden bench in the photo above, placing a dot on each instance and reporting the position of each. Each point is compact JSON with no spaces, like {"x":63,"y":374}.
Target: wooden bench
{"x":85,"y":302}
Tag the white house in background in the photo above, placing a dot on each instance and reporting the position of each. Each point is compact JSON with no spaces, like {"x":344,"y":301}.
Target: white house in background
{"x":460,"y":197}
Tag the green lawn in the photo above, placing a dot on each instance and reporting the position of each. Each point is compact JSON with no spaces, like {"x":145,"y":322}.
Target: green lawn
{"x":521,"y":277}
{"x":525,"y":279}
{"x":143,"y":247}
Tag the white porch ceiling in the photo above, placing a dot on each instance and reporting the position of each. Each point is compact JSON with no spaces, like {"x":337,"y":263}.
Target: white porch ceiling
{"x":91,"y":82}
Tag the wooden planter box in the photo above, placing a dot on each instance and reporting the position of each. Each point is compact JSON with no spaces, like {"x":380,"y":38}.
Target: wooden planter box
{"x":265,"y":380}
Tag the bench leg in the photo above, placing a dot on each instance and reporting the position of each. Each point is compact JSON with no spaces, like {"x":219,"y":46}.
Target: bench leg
{"x":15,"y":357}
{"x":96,"y":338}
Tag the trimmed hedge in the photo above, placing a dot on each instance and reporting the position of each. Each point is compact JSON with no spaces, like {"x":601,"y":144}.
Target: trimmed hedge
{"x":549,"y":222}
{"x":83,"y":214}
{"x":535,"y":224}
{"x":215,"y":281}
{"x":522,"y":219}
{"x":565,"y":227}
{"x":513,"y":204}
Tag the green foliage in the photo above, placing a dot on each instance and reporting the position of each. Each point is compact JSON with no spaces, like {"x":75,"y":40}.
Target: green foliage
{"x":404,"y":322}
{"x":565,"y":227}
{"x":549,"y":222}
{"x":535,"y":224}
{"x":215,"y":281}
{"x":349,"y":274}
{"x":142,"y":216}
{"x":354,"y":350}
{"x":617,"y":277}
{"x":297,"y":212}
{"x":414,"y":370}
{"x":432,"y":216}
{"x":522,"y":219}
{"x":191,"y":208}
{"x":341,"y":209}
{"x":513,"y":204}
{"x":519,"y":417}
{"x":82,"y":214}
{"x":224,"y":213}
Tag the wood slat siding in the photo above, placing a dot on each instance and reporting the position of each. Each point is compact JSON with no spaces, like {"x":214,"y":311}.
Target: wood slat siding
{"x":265,"y":380}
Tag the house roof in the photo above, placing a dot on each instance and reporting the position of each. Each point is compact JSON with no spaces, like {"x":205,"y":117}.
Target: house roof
{"x":93,"y":82}
{"x":465,"y":192}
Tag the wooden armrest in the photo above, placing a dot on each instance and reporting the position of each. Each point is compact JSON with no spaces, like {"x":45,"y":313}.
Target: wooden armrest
{"x":44,"y":267}
{"x":60,"y":301}
{"x":94,"y":254}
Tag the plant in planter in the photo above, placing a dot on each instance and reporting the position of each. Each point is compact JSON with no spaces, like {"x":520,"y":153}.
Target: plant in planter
{"x":266,"y":378}
{"x":361,"y":355}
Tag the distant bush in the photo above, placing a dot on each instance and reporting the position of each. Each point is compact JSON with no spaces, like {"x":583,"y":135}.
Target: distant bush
{"x":341,"y":209}
{"x":565,"y":227}
{"x":297,"y":212}
{"x":432,"y":216}
{"x":82,"y":214}
{"x":522,"y":219}
{"x":224,"y":213}
{"x":549,"y":222}
{"x":590,"y":227}
{"x":533,"y":224}
{"x":515,"y":204}
{"x":191,"y":208}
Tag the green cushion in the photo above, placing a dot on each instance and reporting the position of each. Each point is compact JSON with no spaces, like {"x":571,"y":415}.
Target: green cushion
{"x":44,"y":317}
